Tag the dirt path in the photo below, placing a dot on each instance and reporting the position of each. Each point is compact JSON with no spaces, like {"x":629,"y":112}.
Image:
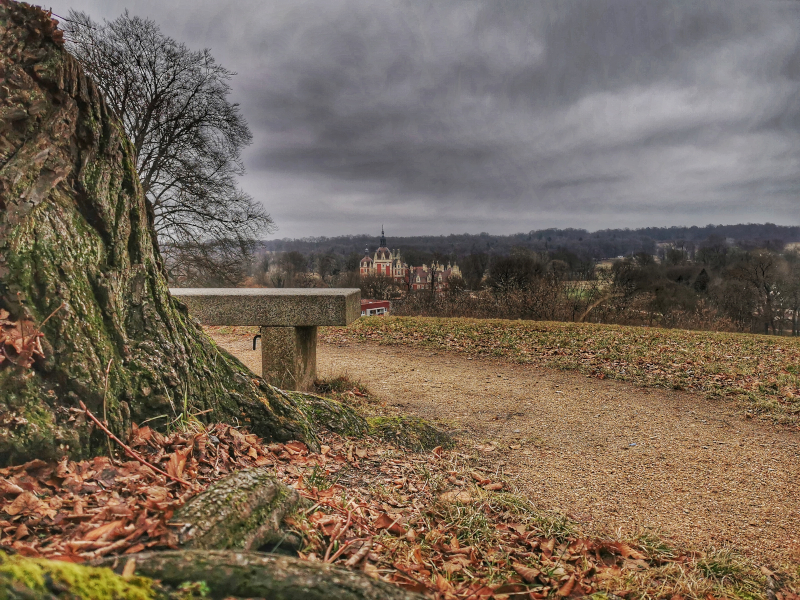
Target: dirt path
{"x":611,"y":455}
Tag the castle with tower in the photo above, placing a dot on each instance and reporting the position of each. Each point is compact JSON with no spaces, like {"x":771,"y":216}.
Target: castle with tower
{"x":389,"y":263}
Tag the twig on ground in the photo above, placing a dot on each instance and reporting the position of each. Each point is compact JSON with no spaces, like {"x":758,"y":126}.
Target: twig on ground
{"x":128,"y":450}
{"x":345,"y":546}
{"x":337,"y":536}
{"x":105,"y":415}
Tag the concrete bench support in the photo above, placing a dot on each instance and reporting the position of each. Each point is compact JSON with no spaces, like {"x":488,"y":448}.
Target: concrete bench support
{"x":289,"y":356}
{"x":288,"y":319}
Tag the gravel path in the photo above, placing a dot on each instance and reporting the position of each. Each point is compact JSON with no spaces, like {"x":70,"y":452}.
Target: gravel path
{"x":610,"y":455}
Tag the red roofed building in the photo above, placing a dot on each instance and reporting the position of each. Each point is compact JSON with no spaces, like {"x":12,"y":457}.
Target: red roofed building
{"x":384,"y":263}
{"x":388,"y":263}
{"x":420,"y":277}
{"x":371,"y":308}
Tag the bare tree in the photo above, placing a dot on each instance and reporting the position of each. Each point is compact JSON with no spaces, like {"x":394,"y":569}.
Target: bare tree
{"x":210,"y":264}
{"x":378,"y":287}
{"x":187,"y":138}
{"x":762,"y":271}
{"x":790,"y":289}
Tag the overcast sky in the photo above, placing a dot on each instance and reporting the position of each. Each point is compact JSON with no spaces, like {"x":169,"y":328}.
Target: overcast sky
{"x":439,"y":116}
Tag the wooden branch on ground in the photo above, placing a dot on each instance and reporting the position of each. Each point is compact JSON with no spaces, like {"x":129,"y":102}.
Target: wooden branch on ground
{"x":128,"y":450}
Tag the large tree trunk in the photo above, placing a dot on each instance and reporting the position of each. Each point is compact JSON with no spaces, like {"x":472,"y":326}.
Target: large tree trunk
{"x":75,"y":229}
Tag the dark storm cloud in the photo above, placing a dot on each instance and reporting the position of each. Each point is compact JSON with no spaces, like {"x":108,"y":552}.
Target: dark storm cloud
{"x":505,"y":116}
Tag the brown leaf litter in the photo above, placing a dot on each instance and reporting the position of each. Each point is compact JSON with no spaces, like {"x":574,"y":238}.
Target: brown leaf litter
{"x":394,"y":515}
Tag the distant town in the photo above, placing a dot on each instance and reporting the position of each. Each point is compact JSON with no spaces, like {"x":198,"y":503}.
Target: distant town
{"x":721,"y":277}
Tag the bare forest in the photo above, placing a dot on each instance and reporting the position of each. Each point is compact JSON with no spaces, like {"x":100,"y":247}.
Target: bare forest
{"x":717,"y":283}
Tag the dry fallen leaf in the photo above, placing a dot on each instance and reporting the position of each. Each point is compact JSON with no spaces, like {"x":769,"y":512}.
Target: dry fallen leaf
{"x":24,"y":503}
{"x":392,"y":525}
{"x":371,"y":571}
{"x":566,"y":589}
{"x":129,"y":569}
{"x":462,"y":496}
{"x":177,"y":462}
{"x":479,"y":478}
{"x":455,"y":564}
{"x":298,"y":447}
{"x":528,"y":574}
{"x":8,"y":488}
{"x":22,"y":531}
{"x":627,"y":552}
{"x":102,"y":531}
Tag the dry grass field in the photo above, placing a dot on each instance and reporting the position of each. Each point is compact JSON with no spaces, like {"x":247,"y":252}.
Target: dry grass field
{"x":762,"y":372}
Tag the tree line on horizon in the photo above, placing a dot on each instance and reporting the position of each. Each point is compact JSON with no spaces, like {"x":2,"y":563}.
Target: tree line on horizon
{"x":712,"y":284}
{"x":596,"y":245}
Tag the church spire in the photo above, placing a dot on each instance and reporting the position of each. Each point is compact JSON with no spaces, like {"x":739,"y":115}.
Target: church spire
{"x":383,"y":238}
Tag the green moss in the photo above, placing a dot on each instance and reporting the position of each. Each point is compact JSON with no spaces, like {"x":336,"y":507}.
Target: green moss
{"x":67,"y":580}
{"x":237,"y":537}
{"x":324,"y":412}
{"x":412,"y":433}
{"x":31,"y":428}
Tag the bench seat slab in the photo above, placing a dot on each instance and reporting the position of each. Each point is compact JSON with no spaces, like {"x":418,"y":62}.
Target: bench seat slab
{"x":272,"y":307}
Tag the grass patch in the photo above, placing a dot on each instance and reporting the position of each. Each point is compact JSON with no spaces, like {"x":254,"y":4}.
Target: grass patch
{"x":340,"y":384}
{"x":760,"y":371}
{"x":717,"y":573}
{"x":346,"y":389}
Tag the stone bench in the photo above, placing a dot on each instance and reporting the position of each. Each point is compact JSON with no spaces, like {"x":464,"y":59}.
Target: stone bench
{"x":288,"y":318}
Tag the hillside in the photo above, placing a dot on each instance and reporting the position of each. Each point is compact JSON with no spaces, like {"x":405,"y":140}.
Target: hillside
{"x":760,"y":371}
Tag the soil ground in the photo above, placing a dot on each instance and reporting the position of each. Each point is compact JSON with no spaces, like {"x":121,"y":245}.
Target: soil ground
{"x":612,"y":456}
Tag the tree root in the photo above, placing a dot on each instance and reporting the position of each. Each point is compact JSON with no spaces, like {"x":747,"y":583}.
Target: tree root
{"x":333,"y":415}
{"x":411,"y":433}
{"x":253,"y":575}
{"x":243,"y":511}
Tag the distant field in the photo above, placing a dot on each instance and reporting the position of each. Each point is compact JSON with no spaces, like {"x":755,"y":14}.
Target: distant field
{"x":762,"y":371}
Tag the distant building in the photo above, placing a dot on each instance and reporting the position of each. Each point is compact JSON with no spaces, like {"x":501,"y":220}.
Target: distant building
{"x":371,"y":308}
{"x":420,"y":277}
{"x":389,"y":263}
{"x":385,"y":263}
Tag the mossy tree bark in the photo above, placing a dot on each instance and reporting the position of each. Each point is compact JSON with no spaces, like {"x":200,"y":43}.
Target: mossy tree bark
{"x":254,"y":575}
{"x":243,"y":511}
{"x":75,"y":229}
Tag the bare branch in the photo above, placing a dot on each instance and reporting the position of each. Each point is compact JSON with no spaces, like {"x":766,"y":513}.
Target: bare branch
{"x":187,"y":136}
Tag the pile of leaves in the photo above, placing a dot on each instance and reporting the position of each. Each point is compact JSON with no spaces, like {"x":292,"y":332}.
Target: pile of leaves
{"x":436,"y":523}
{"x":761,"y":370}
{"x":80,"y":511}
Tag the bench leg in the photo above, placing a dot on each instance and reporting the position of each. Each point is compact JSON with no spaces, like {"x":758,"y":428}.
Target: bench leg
{"x":289,"y":357}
